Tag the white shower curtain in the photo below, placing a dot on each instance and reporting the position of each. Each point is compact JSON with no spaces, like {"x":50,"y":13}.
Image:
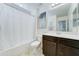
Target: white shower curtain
{"x":16,"y":27}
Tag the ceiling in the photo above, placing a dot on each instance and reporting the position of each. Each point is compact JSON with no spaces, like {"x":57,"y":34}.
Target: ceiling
{"x":61,"y":11}
{"x":29,"y":5}
{"x":32,"y":8}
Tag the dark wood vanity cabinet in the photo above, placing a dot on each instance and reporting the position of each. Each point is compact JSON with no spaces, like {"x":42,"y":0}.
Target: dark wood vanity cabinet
{"x":63,"y":50}
{"x":56,"y":46}
{"x":49,"y":46}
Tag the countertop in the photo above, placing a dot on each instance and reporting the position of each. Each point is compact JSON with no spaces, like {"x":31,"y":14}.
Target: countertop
{"x":63,"y":35}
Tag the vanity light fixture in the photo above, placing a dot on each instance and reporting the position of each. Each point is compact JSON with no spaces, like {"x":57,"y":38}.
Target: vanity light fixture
{"x":55,"y":4}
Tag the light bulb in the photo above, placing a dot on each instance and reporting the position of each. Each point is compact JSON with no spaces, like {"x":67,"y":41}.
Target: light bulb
{"x":53,"y":4}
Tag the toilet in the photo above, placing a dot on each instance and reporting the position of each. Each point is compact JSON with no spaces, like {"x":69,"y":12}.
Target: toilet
{"x":35,"y":44}
{"x":35,"y":48}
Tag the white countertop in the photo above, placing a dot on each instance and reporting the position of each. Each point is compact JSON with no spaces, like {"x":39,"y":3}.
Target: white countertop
{"x":63,"y":35}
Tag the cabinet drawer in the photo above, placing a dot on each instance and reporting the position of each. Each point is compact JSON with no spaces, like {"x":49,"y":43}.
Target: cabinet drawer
{"x":49,"y":38}
{"x":69,"y":42}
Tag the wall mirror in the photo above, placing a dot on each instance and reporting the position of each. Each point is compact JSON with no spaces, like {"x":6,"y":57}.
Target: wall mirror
{"x":62,"y":20}
{"x":62,"y":24}
{"x":42,"y":22}
{"x":78,"y":18}
{"x":69,"y":22}
{"x":74,"y":21}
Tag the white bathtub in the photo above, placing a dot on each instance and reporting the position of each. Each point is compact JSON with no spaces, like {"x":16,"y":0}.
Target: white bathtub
{"x":22,"y":50}
{"x":15,"y":51}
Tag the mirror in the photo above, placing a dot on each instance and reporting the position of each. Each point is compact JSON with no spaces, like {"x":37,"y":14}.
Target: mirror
{"x":61,"y":25}
{"x":74,"y":21}
{"x":62,"y":21}
{"x":78,"y":17}
{"x":42,"y":22}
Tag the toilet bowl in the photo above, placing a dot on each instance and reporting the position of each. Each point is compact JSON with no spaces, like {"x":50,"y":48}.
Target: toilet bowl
{"x":35,"y":48}
{"x":35,"y":44}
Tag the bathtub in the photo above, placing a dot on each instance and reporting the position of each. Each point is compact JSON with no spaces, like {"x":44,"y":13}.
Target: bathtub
{"x":16,"y":51}
{"x":22,"y":50}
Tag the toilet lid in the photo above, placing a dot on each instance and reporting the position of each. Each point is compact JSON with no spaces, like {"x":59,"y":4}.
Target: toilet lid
{"x":35,"y":43}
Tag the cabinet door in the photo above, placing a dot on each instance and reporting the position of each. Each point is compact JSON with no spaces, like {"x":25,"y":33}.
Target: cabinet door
{"x":67,"y":51}
{"x":67,"y":47}
{"x":74,"y":52}
{"x":63,"y":50}
{"x":49,"y":48}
